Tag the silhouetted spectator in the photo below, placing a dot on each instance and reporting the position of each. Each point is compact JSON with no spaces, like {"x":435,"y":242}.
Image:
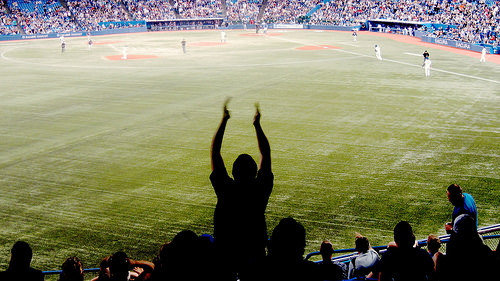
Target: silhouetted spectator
{"x":366,"y":264}
{"x":284,"y":261}
{"x":239,"y":217}
{"x":20,"y":264}
{"x":103,"y":271}
{"x":433,"y":246}
{"x":497,"y":250}
{"x":72,"y":270}
{"x":329,"y":269}
{"x":120,"y":267}
{"x":463,"y":202}
{"x":466,"y":250}
{"x":497,"y":253}
{"x":404,"y":262}
{"x":188,"y":258}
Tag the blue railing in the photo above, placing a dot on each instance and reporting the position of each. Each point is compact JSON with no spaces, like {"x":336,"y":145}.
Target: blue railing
{"x":421,"y":243}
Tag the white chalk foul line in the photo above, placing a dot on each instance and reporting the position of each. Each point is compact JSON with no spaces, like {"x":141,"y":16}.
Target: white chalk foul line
{"x":412,"y":54}
{"x":394,"y":61}
{"x":449,"y":72}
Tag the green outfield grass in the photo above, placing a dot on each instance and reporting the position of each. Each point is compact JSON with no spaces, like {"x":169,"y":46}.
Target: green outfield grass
{"x":99,"y":155}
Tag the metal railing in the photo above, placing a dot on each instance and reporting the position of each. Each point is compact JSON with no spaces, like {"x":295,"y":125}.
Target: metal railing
{"x":490,"y":240}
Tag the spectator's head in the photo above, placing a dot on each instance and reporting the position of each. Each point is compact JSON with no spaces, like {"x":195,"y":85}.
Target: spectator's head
{"x":433,"y":243}
{"x":164,"y":258}
{"x":455,"y":195}
{"x":403,"y":235}
{"x":288,"y":240}
{"x":21,"y":255}
{"x":171,"y":263}
{"x":186,"y":245}
{"x":244,"y":168}
{"x":104,"y":269}
{"x":362,"y":244}
{"x":119,"y":265}
{"x":465,"y":226}
{"x":326,"y":250}
{"x":72,"y":270}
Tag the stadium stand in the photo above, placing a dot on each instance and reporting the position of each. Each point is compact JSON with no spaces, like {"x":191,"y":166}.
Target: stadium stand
{"x":8,"y":24}
{"x":90,"y":14}
{"x":287,"y":11}
{"x":151,"y":9}
{"x":475,"y":22}
{"x":242,"y":11}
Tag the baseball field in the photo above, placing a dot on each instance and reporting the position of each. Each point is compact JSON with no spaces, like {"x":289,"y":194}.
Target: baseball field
{"x":100,"y":154}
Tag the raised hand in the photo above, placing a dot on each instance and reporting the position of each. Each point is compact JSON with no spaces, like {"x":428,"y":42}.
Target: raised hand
{"x":226,"y":114}
{"x":256,"y":119}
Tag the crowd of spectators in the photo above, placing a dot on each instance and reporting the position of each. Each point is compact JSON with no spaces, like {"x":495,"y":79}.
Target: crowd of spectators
{"x":40,"y":17}
{"x":191,"y":257}
{"x":195,"y":9}
{"x":8,"y":24}
{"x":287,"y":11}
{"x":90,"y":14}
{"x":461,"y":20}
{"x":474,"y":22}
{"x":150,"y":9}
{"x":164,"y":10}
{"x":242,"y":11}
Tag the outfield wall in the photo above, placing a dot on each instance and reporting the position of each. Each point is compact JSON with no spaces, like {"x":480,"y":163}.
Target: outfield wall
{"x":440,"y":41}
{"x":73,"y":34}
{"x":459,"y":44}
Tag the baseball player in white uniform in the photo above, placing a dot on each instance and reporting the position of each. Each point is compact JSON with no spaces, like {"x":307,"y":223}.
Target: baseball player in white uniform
{"x":377,"y":52}
{"x":427,"y":67}
{"x":483,"y":55}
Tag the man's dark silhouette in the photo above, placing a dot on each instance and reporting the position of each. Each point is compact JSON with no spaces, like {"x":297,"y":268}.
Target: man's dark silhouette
{"x":405,"y":262}
{"x":239,"y":220}
{"x":19,"y":266}
{"x":285,"y":257}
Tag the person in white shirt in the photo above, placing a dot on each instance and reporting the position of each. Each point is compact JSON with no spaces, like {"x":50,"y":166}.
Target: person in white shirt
{"x":483,"y":55}
{"x":377,"y":52}
{"x":223,"y":36}
{"x":427,"y":67}
{"x":366,"y":264}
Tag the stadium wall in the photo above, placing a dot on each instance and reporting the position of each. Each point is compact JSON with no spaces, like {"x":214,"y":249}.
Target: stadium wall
{"x":441,"y":41}
{"x":459,"y":44}
{"x":73,"y":34}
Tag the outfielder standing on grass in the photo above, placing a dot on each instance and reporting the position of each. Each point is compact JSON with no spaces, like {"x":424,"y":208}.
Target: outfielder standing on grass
{"x":183,"y":43}
{"x":89,"y":41}
{"x":239,"y":218}
{"x":377,"y":52}
{"x":483,"y":55}
{"x":124,"y":53}
{"x":223,"y":36}
{"x":427,"y":66}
